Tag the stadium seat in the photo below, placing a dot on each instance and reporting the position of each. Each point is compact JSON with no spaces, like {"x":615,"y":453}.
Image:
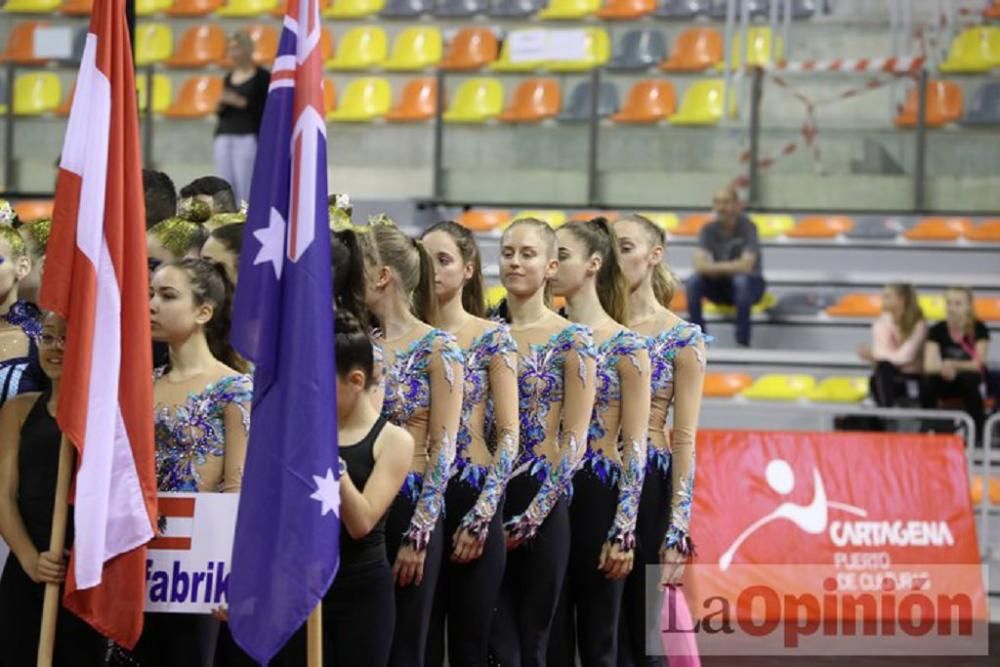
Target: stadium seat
{"x":33,"y":209}
{"x":476,"y":101}
{"x":282,"y":6}
{"x":821,"y":227}
{"x":679,"y":302}
{"x":457,"y":9}
{"x":780,"y":387}
{"x":515,"y":8}
{"x":194,"y":7}
{"x":553,"y":217}
{"x":973,"y":50}
{"x":725,"y":385}
{"x":563,"y":10}
{"x":694,"y":50}
{"x":765,"y":304}
{"x":415,"y":49}
{"x":36,"y":93}
{"x":151,"y":7}
{"x":353,"y":9}
{"x":21,"y":43}
{"x":326,"y":45}
{"x":626,"y":10}
{"x":976,"y":490}
{"x":79,"y":43}
{"x":199,"y":46}
{"x":993,"y":11}
{"x":77,"y":7}
{"x":361,"y":48}
{"x":691,"y":225}
{"x":939,"y":229}
{"x":932,"y":305}
{"x":840,"y":389}
{"x":638,"y":50}
{"x":944,"y":105}
{"x":406,"y":9}
{"x":610,"y":216}
{"x":197,"y":98}
{"x":649,"y":101}
{"x":67,"y":103}
{"x":987,"y":308}
{"x":265,"y":43}
{"x":755,"y":9}
{"x":597,"y":52}
{"x":162,"y":92}
{"x":533,"y":101}
{"x":494,"y":295}
{"x":31,"y":6}
{"x":154,"y":43}
{"x":329,"y":97}
{"x":363,"y":101}
{"x":246,"y":8}
{"x":987,"y":231}
{"x":665,"y":221}
{"x":470,"y":49}
{"x":857,"y":304}
{"x":504,"y":63}
{"x":483,"y":219}
{"x":801,"y":9}
{"x":771,"y":226}
{"x":702,"y":104}
{"x":683,"y":10}
{"x":758,"y":49}
{"x":578,"y":108}
{"x":984,"y":109}
{"x":877,"y":227}
{"x":417,"y":102}
{"x":799,"y":304}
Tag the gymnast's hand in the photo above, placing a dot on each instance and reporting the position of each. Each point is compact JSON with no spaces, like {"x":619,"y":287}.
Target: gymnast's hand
{"x":467,"y":547}
{"x":409,"y":566}
{"x":615,"y":562}
{"x":673,"y":567}
{"x":48,"y":568}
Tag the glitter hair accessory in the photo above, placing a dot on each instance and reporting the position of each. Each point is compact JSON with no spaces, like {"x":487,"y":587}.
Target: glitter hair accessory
{"x":7,"y":214}
{"x":380,"y":220}
{"x":39,"y":231}
{"x":194,"y":210}
{"x":340,"y":212}
{"x":13,"y":239}
{"x":175,"y":234}
{"x":220,"y":219}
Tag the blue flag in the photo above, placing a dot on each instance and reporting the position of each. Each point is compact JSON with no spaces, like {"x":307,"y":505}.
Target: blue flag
{"x":286,"y":548}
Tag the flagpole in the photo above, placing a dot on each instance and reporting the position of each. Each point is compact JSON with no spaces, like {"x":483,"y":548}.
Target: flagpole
{"x":314,"y":637}
{"x":57,"y":543}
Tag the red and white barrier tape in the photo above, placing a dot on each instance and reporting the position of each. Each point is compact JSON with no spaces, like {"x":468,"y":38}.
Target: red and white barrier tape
{"x":902,"y":65}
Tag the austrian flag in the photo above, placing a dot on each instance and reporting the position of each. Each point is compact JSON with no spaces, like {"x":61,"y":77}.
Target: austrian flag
{"x":96,"y":278}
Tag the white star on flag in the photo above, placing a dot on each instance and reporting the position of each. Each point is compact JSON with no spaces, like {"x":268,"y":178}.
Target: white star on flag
{"x":272,"y":243}
{"x":327,"y":493}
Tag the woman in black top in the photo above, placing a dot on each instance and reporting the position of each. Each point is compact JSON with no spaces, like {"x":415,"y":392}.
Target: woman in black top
{"x":955,"y":357}
{"x":29,"y":458}
{"x":240,"y":111}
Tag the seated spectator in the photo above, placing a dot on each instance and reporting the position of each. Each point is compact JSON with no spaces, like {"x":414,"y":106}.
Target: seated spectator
{"x":897,"y":345}
{"x":214,"y":191}
{"x":955,"y":357}
{"x":727,"y":264}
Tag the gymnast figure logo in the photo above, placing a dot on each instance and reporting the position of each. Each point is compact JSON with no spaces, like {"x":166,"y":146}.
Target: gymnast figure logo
{"x":811,"y":518}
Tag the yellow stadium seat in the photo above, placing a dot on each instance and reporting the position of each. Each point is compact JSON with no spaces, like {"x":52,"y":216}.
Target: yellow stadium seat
{"x":361,"y":48}
{"x":665,"y":221}
{"x":702,"y":104}
{"x":476,"y":101}
{"x":766,"y":301}
{"x":758,"y":50}
{"x":353,"y":9}
{"x":840,"y":389}
{"x":771,"y":226}
{"x":415,"y":48}
{"x":504,"y":62}
{"x":494,"y":295}
{"x":162,"y":92}
{"x":364,"y":100}
{"x":31,"y":6}
{"x":36,"y":93}
{"x":553,"y":217}
{"x":561,"y":10}
{"x":975,"y":49}
{"x":150,"y":7}
{"x":597,"y":52}
{"x":154,"y":43}
{"x":779,"y":387}
{"x":246,"y":8}
{"x":933,"y":306}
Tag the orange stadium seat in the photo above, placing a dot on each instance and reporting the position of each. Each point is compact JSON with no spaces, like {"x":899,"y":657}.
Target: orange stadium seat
{"x":626,"y":10}
{"x":533,"y":101}
{"x":329,"y":96}
{"x":77,"y":7}
{"x":649,"y":101}
{"x":976,"y":489}
{"x":857,"y":305}
{"x":471,"y":49}
{"x":993,"y":11}
{"x":417,"y":102}
{"x":987,"y":231}
{"x":265,"y":43}
{"x":610,"y":216}
{"x":484,"y":219}
{"x":939,"y":229}
{"x":194,"y":7}
{"x":726,"y":385}
{"x":987,"y":308}
{"x":692,"y":224}
{"x":821,"y":227}
{"x":33,"y":209}
{"x":679,"y":304}
{"x":198,"y":97}
{"x":199,"y":46}
{"x":694,"y":50}
{"x":944,"y":105}
{"x":21,"y":43}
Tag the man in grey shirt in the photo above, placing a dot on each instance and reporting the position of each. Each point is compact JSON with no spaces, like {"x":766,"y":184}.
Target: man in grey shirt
{"x":727,"y":264}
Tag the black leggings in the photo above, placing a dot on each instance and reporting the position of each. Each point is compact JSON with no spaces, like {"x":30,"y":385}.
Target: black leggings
{"x":466,"y":594}
{"x":587,"y":619}
{"x":532,"y":582}
{"x":965,"y":387}
{"x":414,"y":604}
{"x":888,"y":385}
{"x":639,"y":620}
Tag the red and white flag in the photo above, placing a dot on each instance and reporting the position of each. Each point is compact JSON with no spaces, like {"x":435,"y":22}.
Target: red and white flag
{"x":96,"y":277}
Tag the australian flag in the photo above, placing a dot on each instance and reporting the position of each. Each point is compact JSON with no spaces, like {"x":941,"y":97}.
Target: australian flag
{"x":286,"y":549}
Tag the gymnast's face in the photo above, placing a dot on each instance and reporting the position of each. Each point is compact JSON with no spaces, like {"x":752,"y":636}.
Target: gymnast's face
{"x":525,"y":264}
{"x":174,"y":314}
{"x":575,"y":265}
{"x":451,"y":272}
{"x":638,"y":256}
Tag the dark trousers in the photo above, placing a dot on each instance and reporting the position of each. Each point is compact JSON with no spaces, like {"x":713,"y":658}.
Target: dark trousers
{"x":890,"y":387}
{"x":966,"y":387}
{"x":741,"y":290}
{"x":177,"y":639}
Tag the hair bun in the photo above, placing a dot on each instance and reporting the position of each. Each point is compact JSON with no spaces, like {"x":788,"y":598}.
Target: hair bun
{"x":345,"y":323}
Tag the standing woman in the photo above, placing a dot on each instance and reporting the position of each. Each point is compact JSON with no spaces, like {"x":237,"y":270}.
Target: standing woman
{"x":556,"y":385}
{"x":607,"y":488}
{"x":240,"y":111}
{"x":202,"y":420}
{"x":20,"y":321}
{"x":423,"y":394}
{"x":677,"y":354}
{"x":29,"y":459}
{"x":475,"y":550}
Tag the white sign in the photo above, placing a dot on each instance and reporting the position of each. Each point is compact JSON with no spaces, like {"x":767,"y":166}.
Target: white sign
{"x":54,"y":42}
{"x":567,"y":44}
{"x":540,"y":45}
{"x":527,"y":46}
{"x":188,"y":565}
